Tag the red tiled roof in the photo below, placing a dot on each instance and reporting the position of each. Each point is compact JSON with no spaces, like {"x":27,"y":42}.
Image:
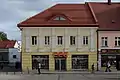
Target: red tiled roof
{"x":76,"y":14}
{"x":108,"y":15}
{"x":7,"y":44}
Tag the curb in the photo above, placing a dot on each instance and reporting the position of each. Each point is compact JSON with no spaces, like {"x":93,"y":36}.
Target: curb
{"x":25,"y":73}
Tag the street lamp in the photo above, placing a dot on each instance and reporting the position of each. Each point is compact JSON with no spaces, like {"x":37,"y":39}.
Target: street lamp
{"x":98,"y":59}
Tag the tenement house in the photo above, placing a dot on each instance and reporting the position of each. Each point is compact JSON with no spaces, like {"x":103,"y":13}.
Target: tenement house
{"x":62,"y":37}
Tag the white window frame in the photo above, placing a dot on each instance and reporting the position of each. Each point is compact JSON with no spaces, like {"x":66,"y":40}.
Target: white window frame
{"x":117,"y":41}
{"x":72,"y":40}
{"x":60,"y":18}
{"x":104,"y":41}
{"x":34,"y":40}
{"x":47,"y":40}
{"x":85,"y":40}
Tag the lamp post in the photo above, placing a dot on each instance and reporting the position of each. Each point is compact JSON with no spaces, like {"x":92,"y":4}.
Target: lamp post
{"x":98,"y":59}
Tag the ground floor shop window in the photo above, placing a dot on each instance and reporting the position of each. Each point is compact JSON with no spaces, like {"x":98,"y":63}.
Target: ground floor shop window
{"x":106,"y":58}
{"x":43,"y":59}
{"x":79,"y":61}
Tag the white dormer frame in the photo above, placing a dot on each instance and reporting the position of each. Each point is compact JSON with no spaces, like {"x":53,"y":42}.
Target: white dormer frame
{"x":59,"y":18}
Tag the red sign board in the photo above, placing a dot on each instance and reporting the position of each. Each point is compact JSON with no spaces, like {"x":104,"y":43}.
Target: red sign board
{"x":110,"y":51}
{"x":60,"y":54}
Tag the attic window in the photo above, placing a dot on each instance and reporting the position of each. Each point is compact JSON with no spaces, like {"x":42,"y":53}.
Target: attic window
{"x":59,"y":18}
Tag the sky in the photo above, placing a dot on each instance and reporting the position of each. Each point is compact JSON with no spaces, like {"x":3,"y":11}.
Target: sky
{"x":13,"y":12}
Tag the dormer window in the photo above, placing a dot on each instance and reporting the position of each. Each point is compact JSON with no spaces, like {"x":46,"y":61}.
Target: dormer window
{"x":59,"y":18}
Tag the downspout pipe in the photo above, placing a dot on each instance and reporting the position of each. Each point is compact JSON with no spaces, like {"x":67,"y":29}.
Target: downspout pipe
{"x":97,"y":50}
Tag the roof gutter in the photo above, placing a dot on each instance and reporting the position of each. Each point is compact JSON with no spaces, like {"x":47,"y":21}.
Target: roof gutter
{"x":57,"y":25}
{"x":91,"y":10}
{"x":108,"y":30}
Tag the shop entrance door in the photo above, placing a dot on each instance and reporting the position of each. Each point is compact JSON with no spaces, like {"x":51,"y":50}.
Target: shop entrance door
{"x":118,"y":62}
{"x":60,"y":64}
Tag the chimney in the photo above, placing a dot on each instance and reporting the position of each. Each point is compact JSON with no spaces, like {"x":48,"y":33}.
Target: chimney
{"x":109,"y":2}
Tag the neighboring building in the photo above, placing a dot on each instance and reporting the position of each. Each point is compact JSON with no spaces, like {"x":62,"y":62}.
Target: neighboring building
{"x":8,"y":52}
{"x":108,"y":32}
{"x":62,"y":37}
{"x":18,"y":46}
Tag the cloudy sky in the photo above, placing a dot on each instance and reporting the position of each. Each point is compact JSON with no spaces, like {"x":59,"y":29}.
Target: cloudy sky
{"x":15,"y":11}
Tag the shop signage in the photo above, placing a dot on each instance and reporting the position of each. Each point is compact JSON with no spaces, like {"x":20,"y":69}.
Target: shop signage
{"x":60,"y":54}
{"x":110,"y":51}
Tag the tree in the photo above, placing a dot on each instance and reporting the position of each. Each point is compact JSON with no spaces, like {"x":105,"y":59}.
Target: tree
{"x":3,"y":36}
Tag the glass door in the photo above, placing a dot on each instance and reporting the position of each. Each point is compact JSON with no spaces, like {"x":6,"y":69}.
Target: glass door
{"x":57,"y":64}
{"x":63,"y":64}
{"x":60,"y":64}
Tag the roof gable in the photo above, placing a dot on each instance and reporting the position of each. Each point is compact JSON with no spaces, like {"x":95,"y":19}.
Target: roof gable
{"x":71,"y":14}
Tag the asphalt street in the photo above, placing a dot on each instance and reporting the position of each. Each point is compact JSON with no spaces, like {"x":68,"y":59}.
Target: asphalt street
{"x":60,"y":77}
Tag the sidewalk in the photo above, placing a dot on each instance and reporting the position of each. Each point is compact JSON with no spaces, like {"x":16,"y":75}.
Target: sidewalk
{"x":78,"y":72}
{"x":60,"y":72}
{"x":33,"y":72}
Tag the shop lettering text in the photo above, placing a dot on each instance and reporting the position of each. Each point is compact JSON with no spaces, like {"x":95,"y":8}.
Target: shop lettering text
{"x":60,"y":54}
{"x":110,"y":51}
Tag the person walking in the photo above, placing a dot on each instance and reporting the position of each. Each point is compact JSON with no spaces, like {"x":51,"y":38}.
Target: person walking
{"x":39,"y":67}
{"x":93,"y":68}
{"x":108,"y":67}
{"x":1,"y":66}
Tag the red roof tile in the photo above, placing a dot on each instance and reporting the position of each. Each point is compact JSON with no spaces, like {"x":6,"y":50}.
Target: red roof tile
{"x":78,"y":14}
{"x":108,"y":15}
{"x":7,"y":44}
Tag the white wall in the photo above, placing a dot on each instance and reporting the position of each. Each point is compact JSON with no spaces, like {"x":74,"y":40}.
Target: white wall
{"x":79,"y":32}
{"x":18,"y":45}
{"x":14,"y":51}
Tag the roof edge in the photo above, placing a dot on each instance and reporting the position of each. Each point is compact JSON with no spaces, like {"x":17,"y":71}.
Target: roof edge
{"x":105,"y":2}
{"x":91,"y":10}
{"x":58,"y":25}
{"x":108,"y":30}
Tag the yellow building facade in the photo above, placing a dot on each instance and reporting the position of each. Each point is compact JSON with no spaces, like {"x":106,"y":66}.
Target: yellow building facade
{"x":62,"y":37}
{"x":27,"y":60}
{"x":79,"y":49}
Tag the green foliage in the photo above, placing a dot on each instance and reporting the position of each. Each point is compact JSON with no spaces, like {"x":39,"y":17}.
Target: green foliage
{"x":3,"y":36}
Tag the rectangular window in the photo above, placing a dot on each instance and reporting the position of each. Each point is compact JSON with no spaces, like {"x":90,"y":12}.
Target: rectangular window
{"x":42,"y":59}
{"x":85,"y":40}
{"x":117,"y":41}
{"x":34,"y":40}
{"x":111,"y":58}
{"x":104,"y":41}
{"x":14,"y":56}
{"x":60,"y":40}
{"x":47,"y":40}
{"x":72,"y":40}
{"x":79,"y":62}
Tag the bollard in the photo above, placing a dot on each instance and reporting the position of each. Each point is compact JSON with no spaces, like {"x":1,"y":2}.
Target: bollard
{"x":6,"y":72}
{"x":21,"y":72}
{"x":14,"y":73}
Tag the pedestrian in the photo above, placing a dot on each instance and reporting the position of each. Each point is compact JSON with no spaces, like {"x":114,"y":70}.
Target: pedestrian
{"x":108,"y":67}
{"x":1,"y":66}
{"x":93,"y":68}
{"x":39,"y":67}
